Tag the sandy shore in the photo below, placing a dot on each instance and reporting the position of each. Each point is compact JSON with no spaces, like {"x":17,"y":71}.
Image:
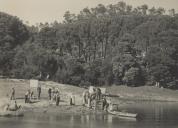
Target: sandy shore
{"x":120,"y":95}
{"x":44,"y":105}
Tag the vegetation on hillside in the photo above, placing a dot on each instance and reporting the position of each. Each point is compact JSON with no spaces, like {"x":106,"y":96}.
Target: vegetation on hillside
{"x":114,"y":44}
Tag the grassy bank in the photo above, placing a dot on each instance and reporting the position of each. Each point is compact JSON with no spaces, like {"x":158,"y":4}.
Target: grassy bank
{"x":147,"y":93}
{"x":123,"y":94}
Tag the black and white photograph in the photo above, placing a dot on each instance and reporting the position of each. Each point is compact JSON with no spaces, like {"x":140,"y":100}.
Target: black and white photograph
{"x":88,"y":63}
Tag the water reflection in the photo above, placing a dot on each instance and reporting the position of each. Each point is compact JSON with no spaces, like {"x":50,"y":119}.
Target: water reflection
{"x":158,"y":115}
{"x":98,"y":118}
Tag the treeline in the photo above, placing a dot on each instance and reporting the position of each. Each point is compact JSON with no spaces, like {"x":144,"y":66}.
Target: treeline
{"x":106,"y":45}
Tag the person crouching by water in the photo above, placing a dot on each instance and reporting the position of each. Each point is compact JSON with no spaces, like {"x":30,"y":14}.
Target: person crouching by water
{"x":12,"y":106}
{"x":105,"y":104}
{"x":12,"y":94}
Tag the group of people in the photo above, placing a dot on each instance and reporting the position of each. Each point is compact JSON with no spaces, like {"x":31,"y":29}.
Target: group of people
{"x":90,"y":98}
{"x":54,"y":95}
{"x":94,"y":97}
{"x":29,"y":95}
{"x":12,"y":105}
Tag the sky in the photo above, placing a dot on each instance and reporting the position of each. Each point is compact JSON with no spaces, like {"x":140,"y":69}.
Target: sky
{"x":35,"y":11}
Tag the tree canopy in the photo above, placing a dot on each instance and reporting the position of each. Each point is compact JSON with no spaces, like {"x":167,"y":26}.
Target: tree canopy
{"x":114,"y":44}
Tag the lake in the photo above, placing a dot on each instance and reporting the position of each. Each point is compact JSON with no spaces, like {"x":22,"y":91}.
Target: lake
{"x":151,"y":115}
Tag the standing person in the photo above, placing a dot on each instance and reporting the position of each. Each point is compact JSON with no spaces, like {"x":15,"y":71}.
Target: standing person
{"x":57,"y":99}
{"x":56,"y":94}
{"x":85,"y":97}
{"x":39,"y":91}
{"x":98,"y":93}
{"x":93,"y":94}
{"x":27,"y":96}
{"x":95,"y":104}
{"x":89,"y":102}
{"x":31,"y":95}
{"x":72,"y":99}
{"x":53,"y":93}
{"x":12,"y":94}
{"x":49,"y":93}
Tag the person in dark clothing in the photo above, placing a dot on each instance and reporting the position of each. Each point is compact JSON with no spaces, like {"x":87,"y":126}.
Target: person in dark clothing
{"x":39,"y":92}
{"x":93,"y":95}
{"x":72,"y":99}
{"x":98,"y":93}
{"x":57,"y":99}
{"x":27,"y":97}
{"x":105,"y":104}
{"x":31,"y":95}
{"x":49,"y":93}
{"x":53,"y":92}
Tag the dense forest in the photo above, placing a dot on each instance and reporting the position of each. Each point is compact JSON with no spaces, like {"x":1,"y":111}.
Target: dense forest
{"x":106,"y":45}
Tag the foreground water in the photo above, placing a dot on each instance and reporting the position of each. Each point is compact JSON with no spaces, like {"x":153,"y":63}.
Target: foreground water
{"x":151,"y":115}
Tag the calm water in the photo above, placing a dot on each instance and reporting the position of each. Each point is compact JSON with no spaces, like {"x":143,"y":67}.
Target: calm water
{"x":151,"y":115}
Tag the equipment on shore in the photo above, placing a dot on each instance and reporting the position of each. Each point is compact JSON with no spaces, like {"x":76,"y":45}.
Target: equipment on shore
{"x":34,"y":83}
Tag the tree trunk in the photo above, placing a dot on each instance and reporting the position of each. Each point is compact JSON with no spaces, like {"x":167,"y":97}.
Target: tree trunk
{"x":95,"y":50}
{"x":79,"y":48}
{"x":106,"y":46}
{"x":102,"y":46}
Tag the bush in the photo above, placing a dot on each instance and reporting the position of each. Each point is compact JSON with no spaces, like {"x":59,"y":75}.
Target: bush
{"x":133,"y":77}
{"x":76,"y":80}
{"x":84,"y":84}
